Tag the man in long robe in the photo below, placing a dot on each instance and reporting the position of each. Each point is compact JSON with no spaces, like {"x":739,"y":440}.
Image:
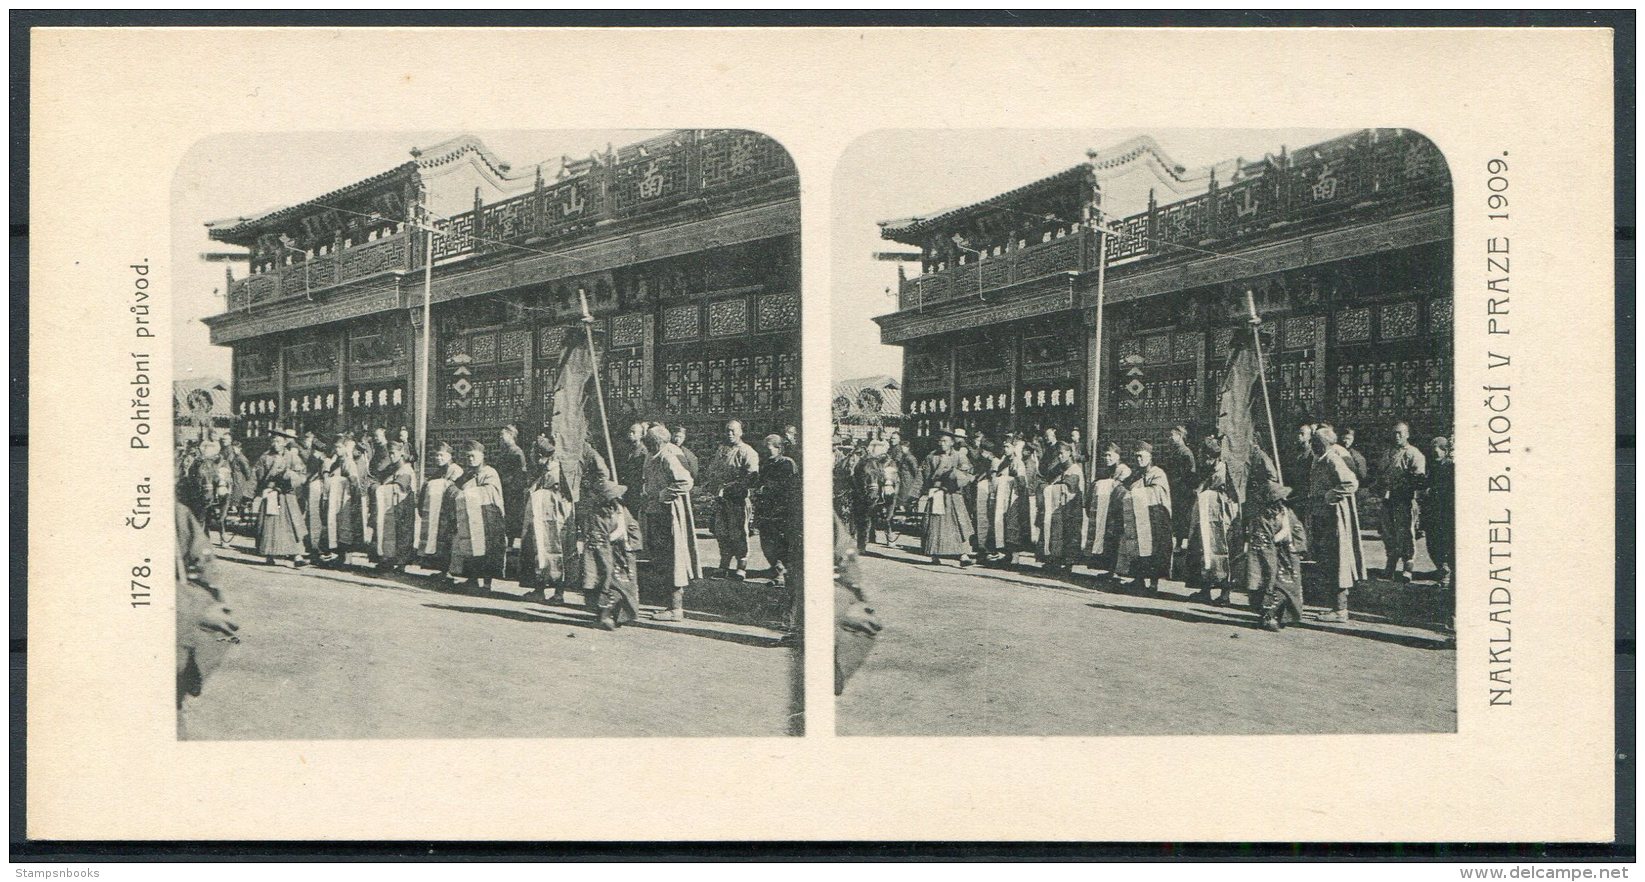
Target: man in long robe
{"x":318,"y":459}
{"x":1181,"y":468}
{"x":1334,"y":528}
{"x":1000,"y":502}
{"x":777,"y":503}
{"x":394,"y":508}
{"x":548,"y":537}
{"x":437,"y":504}
{"x":1401,"y":474}
{"x":512,"y":469}
{"x":1061,"y":510}
{"x":1439,"y":511}
{"x":944,"y":477}
{"x":730,"y":476}
{"x":345,"y":513}
{"x":1213,"y":531}
{"x":280,"y":473}
{"x":669,"y":528}
{"x":1104,"y":502}
{"x":1145,"y":516}
{"x":480,"y":547}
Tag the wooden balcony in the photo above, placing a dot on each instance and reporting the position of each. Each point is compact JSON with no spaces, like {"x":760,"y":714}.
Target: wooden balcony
{"x":1075,"y":252}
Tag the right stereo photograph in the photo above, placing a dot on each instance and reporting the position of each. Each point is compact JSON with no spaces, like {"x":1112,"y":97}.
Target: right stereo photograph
{"x":1143,"y":432}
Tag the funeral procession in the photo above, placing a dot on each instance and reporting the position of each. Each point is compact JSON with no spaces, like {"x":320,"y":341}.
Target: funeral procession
{"x":504,"y":451}
{"x":1160,"y":443}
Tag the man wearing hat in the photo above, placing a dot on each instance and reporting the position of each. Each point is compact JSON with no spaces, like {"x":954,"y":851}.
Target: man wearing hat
{"x":548,"y":538}
{"x":670,"y":525}
{"x":1007,"y":480}
{"x":1145,"y":515}
{"x":279,"y":473}
{"x":611,"y":537}
{"x":394,"y":508}
{"x":948,"y":529}
{"x":1103,"y":507}
{"x":1212,"y":527}
{"x":1273,"y":561}
{"x":1181,"y":468}
{"x":479,"y":547}
{"x":512,"y":467}
{"x":1061,"y":510}
{"x":344,"y":514}
{"x":437,"y":505}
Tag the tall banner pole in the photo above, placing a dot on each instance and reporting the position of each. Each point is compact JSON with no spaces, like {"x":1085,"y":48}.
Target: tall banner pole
{"x":599,"y":393}
{"x":1262,"y":377}
{"x":1093,"y":391}
{"x":428,"y":354}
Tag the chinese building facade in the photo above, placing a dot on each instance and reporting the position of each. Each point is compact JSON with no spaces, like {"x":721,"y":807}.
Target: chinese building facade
{"x":1345,"y":248}
{"x":685,"y":246}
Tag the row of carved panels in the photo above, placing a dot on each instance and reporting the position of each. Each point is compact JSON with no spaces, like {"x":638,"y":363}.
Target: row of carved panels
{"x":322,"y":271}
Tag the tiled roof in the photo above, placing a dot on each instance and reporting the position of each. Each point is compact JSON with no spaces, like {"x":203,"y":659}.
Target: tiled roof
{"x":241,"y":230}
{"x":890,"y":394}
{"x":221,"y":406}
{"x":905,"y":228}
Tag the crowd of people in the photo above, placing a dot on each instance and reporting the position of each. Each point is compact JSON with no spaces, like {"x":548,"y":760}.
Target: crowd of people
{"x":1179,"y":513}
{"x":551,"y":520}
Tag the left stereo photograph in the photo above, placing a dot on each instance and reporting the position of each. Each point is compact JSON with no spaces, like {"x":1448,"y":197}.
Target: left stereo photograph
{"x":488,"y":435}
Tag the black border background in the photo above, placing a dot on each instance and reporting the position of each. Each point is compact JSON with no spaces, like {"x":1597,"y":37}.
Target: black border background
{"x":1622,"y":21}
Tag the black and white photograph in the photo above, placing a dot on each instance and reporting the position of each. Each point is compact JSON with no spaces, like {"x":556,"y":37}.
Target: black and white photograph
{"x":484,"y":436}
{"x":1144,"y":432}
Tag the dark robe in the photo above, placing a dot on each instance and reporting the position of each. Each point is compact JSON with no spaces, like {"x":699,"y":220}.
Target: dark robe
{"x":777,"y":498}
{"x":908,"y":476}
{"x":875,"y":479}
{"x":1439,"y":513}
{"x":1276,"y":544}
{"x":611,"y":537}
{"x":1182,"y":470}
{"x":513,"y":471}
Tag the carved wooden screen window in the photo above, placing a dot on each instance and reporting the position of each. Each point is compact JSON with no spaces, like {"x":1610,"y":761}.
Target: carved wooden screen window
{"x":1394,"y":363}
{"x":1156,"y":376}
